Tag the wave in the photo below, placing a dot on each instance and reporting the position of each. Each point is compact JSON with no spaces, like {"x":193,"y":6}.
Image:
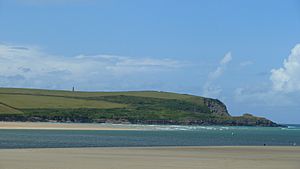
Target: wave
{"x":186,"y":128}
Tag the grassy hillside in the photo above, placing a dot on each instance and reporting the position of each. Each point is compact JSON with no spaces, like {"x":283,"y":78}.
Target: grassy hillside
{"x":151,"y":94}
{"x":149,"y":107}
{"x":23,"y":101}
{"x":8,"y":110}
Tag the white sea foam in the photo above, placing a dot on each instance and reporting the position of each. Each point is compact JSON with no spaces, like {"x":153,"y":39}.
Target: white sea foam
{"x":190,"y":128}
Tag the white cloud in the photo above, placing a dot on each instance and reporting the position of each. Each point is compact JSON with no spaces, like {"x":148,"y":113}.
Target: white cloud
{"x":221,"y":68}
{"x":282,"y":88}
{"x":27,"y":66}
{"x":226,"y":59}
{"x":209,"y":89}
{"x":287,"y":78}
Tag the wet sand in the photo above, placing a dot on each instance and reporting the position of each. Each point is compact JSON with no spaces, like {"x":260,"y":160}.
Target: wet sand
{"x":152,"y":158}
{"x":61,"y":126}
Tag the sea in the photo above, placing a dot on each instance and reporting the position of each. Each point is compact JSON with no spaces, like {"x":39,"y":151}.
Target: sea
{"x":152,"y":135}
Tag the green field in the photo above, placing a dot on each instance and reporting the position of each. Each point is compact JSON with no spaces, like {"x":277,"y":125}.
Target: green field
{"x":149,"y":107}
{"x":8,"y":110}
{"x":23,"y":101}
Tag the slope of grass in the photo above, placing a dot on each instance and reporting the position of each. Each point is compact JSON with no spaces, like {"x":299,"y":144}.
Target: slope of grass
{"x":32,"y":102}
{"x":134,"y":105}
{"x":8,"y":110}
{"x":154,"y":94}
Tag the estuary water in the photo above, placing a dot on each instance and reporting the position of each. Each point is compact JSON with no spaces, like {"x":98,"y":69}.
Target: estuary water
{"x":153,"y":135}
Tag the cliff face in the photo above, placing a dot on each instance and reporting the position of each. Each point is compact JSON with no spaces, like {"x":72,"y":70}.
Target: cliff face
{"x":216,"y":107}
{"x":219,"y":109}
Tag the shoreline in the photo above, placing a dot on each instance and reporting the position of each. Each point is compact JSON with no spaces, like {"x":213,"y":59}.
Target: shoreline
{"x":193,"y":157}
{"x":60,"y":126}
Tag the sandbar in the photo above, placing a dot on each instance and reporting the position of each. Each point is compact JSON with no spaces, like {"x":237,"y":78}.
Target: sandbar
{"x":62,"y":126}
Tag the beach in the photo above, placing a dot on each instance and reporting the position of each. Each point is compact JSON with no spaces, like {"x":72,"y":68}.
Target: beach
{"x":61,"y":126}
{"x":152,"y":158}
{"x":18,"y":152}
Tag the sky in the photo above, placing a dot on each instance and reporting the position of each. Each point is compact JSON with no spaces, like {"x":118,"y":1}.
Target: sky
{"x":244,"y":53}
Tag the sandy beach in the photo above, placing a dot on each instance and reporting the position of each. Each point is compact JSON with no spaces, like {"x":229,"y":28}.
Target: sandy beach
{"x":152,"y":158}
{"x":61,"y":126}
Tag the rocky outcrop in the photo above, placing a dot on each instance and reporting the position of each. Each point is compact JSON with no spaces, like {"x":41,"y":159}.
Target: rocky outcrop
{"x":250,"y":120}
{"x":216,"y":107}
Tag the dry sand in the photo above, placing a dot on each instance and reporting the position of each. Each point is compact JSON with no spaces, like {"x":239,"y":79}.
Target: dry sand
{"x":60,"y":126}
{"x":153,"y":158}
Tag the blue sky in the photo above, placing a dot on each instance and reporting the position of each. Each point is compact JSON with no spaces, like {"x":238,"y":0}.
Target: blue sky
{"x":230,"y":50}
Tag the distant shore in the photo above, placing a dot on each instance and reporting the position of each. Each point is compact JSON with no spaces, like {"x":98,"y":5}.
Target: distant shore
{"x":60,"y":126}
{"x":153,"y":157}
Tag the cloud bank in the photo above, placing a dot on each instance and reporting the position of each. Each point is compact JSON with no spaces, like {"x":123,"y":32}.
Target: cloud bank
{"x":287,"y":78}
{"x":27,"y":66}
{"x":281,"y":89}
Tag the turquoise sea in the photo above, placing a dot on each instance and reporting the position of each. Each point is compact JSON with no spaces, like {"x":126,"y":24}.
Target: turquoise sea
{"x":153,"y":135}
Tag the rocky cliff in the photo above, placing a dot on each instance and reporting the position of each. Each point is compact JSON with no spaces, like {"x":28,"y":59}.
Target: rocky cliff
{"x":216,"y":107}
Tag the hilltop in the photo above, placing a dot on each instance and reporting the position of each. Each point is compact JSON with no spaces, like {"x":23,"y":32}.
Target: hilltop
{"x":137,"y":107}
